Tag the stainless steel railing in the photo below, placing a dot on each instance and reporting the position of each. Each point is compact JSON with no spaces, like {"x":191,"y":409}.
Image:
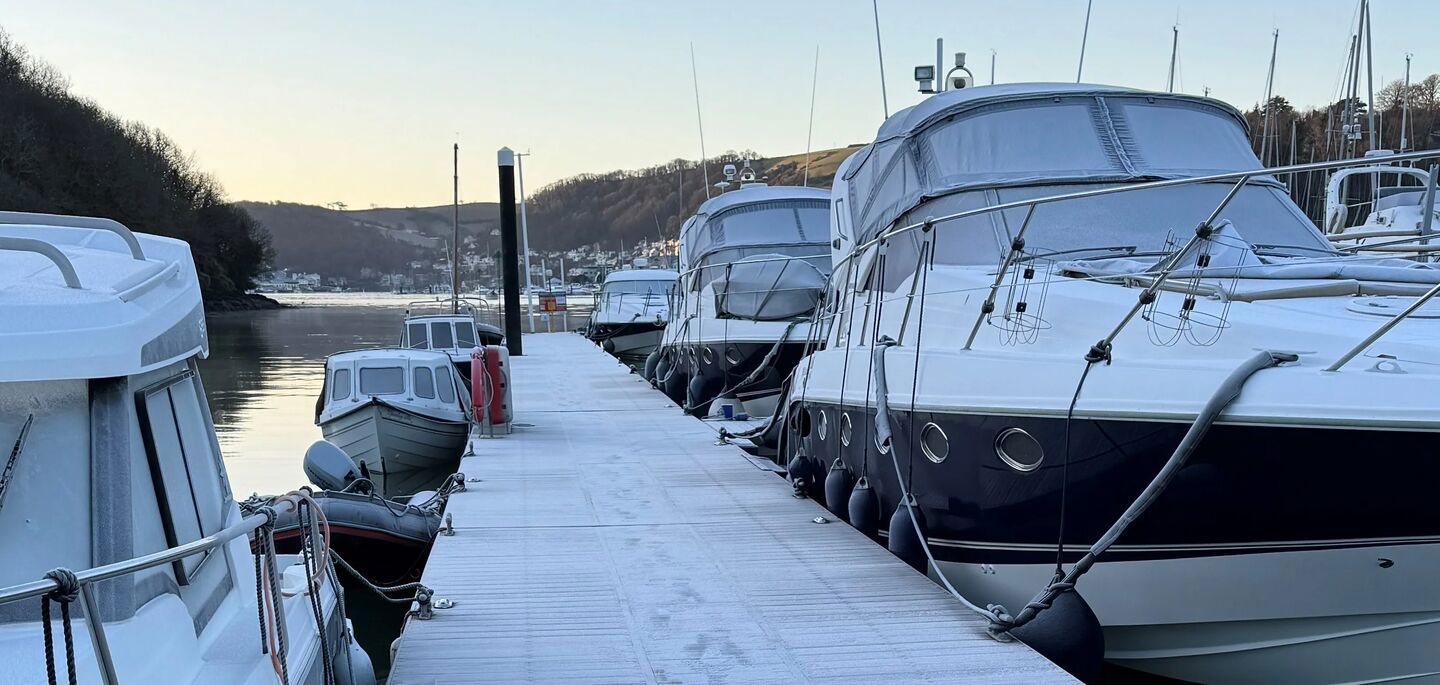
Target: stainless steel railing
{"x":89,"y":577}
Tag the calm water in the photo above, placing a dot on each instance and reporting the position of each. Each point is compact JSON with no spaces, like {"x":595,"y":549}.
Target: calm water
{"x":266,"y":368}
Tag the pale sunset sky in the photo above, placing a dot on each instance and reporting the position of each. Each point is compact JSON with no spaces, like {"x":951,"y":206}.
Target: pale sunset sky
{"x":360,"y":101}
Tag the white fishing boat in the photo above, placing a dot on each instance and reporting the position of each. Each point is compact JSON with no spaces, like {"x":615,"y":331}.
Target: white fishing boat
{"x":455,"y":330}
{"x":1243,"y":462}
{"x":395,"y":411}
{"x":631,"y":312}
{"x":117,"y":523}
{"x":754,"y":262}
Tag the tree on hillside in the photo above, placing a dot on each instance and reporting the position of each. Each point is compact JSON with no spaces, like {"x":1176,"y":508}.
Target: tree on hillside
{"x":65,"y":155}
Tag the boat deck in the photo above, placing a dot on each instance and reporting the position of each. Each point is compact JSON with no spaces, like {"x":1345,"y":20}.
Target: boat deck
{"x":610,"y":539}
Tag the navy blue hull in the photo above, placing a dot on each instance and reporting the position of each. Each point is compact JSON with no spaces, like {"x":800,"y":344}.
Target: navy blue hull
{"x":1247,"y":489}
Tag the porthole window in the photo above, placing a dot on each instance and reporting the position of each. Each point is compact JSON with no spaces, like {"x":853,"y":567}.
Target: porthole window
{"x":845,"y":428}
{"x":824,"y":422}
{"x":934,"y":443}
{"x":1019,"y":450}
{"x":733,"y":355}
{"x":800,"y":422}
{"x":707,"y":355}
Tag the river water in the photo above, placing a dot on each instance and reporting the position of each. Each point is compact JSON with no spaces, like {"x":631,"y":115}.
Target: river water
{"x":265,"y":370}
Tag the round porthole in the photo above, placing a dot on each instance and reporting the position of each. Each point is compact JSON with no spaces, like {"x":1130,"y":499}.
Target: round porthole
{"x":733,"y":355}
{"x":845,"y":428}
{"x":824,"y":422}
{"x":934,"y":443}
{"x":1019,"y":450}
{"x":708,"y":355}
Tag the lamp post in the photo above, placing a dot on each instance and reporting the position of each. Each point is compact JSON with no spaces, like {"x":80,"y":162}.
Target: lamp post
{"x":525,"y":239}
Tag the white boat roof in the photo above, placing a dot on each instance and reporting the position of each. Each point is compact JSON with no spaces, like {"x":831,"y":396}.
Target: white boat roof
{"x":642,"y":275}
{"x":83,"y":297}
{"x":388,"y":355}
{"x":759,"y":193}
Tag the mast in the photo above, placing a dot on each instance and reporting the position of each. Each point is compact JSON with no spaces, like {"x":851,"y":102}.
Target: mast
{"x":1084,"y":37}
{"x":1269,"y":88}
{"x":1369,"y":71}
{"x":810,"y":130}
{"x":1174,"y":45}
{"x":1405,"y":107}
{"x":455,"y":243}
{"x":880,"y":53}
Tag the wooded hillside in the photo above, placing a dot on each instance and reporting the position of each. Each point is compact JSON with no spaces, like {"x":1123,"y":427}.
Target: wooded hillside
{"x":65,"y":155}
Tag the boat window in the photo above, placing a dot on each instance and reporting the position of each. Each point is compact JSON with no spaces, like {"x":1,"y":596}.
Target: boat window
{"x":445,"y":383}
{"x":1167,"y":135}
{"x":340,"y":385}
{"x":418,"y":338}
{"x":424,"y":383}
{"x":182,"y":464}
{"x":713,"y":265}
{"x":773,"y":222}
{"x":440,"y":336}
{"x":464,"y":334}
{"x":382,"y":380}
{"x":1045,"y":138}
{"x":1155,"y":219}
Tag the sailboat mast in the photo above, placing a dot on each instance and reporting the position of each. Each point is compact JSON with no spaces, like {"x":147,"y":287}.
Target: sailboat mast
{"x":1405,"y":107}
{"x":1369,"y":71}
{"x":1174,"y":45}
{"x":1269,"y":89}
{"x":455,"y":242}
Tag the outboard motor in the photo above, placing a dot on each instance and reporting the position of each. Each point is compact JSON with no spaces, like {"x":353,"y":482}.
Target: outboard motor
{"x":770,"y":287}
{"x":328,"y":467}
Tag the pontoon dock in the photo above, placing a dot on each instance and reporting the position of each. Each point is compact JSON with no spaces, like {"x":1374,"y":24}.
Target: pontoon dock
{"x":610,"y":539}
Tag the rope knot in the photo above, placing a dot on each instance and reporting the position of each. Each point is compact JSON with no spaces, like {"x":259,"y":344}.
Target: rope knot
{"x":67,"y":585}
{"x":270,"y":515}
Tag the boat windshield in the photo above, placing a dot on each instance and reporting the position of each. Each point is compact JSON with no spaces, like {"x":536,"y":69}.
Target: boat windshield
{"x":713,"y":265}
{"x":646,"y":287}
{"x":1155,"y":220}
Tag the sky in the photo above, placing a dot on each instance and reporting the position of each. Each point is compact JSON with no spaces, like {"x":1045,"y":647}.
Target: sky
{"x":359,"y":101}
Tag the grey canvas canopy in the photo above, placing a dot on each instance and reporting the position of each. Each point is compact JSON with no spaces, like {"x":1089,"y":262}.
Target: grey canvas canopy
{"x":1038,"y":134}
{"x":756,"y":217}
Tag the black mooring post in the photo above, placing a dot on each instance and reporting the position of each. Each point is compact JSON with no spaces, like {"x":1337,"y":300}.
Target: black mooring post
{"x":509,"y":250}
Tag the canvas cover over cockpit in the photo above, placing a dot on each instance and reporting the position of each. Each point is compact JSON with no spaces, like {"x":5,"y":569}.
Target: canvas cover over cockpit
{"x":743,"y":220}
{"x":1038,"y":134}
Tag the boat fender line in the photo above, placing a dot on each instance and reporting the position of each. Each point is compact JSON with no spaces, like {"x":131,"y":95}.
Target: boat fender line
{"x":67,"y":589}
{"x":1222,"y":397}
{"x":767,"y":362}
{"x":422,"y":593}
{"x":864,"y":493}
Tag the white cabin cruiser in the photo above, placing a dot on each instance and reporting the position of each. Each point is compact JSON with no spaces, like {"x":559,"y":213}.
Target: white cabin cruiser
{"x":754,"y":265}
{"x":396,"y":412}
{"x":114,"y":502}
{"x":631,"y":312}
{"x":1269,"y":439}
{"x":455,"y":332}
{"x":1379,"y":209}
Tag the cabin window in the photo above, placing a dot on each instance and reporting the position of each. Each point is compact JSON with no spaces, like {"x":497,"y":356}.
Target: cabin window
{"x":445,"y":384}
{"x":382,"y":380}
{"x":418,"y":338}
{"x":182,"y":465}
{"x":465,"y":334}
{"x":340,"y":385}
{"x":424,"y":383}
{"x":440,"y":335}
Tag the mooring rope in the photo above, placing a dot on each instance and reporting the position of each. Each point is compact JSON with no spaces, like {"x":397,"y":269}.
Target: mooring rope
{"x":67,"y":588}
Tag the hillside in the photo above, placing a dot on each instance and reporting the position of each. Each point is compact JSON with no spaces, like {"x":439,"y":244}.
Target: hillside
{"x":65,"y":155}
{"x":610,"y":208}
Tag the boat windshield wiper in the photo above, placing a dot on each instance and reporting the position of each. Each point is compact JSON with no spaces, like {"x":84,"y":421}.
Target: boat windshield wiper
{"x":1127,"y":249}
{"x":9,"y":470}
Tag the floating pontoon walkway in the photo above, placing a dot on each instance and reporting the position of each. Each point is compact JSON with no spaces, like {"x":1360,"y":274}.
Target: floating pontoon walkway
{"x":611,"y":540}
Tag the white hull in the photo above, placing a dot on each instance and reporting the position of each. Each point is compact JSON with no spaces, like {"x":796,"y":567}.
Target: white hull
{"x":390,"y":441}
{"x":1331,"y":616}
{"x":637,"y":344}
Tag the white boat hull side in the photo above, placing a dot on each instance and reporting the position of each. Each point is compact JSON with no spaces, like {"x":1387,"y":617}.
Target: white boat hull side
{"x":637,"y":344}
{"x":1323,"y":616}
{"x":390,"y":441}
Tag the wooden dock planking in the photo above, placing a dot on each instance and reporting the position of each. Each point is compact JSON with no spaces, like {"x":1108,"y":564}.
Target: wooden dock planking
{"x":612,"y":541}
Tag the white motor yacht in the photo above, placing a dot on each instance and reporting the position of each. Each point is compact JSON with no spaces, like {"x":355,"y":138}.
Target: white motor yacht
{"x":754,"y":263}
{"x":1077,"y":327}
{"x":1378,"y":209}
{"x":631,"y":312}
{"x":117,"y":522}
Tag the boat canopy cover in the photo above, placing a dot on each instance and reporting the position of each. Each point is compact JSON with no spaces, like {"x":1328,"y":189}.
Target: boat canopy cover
{"x":770,"y":288}
{"x":758,"y":216}
{"x":641,"y":275}
{"x":1037,"y":134}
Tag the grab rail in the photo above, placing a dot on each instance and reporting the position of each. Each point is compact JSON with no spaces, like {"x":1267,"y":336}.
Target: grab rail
{"x":67,"y":270}
{"x":63,"y":221}
{"x":89,"y":577}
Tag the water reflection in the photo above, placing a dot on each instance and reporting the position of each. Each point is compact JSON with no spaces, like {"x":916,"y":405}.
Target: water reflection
{"x":264,"y":375}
